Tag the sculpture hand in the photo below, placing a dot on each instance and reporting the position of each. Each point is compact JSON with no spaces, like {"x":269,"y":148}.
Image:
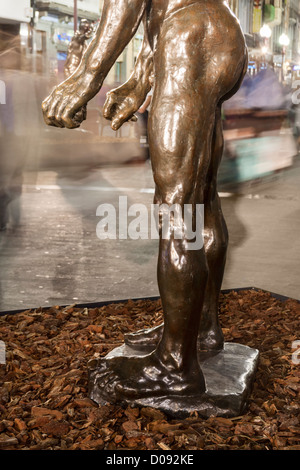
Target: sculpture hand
{"x":66,"y":105}
{"x":121,"y":104}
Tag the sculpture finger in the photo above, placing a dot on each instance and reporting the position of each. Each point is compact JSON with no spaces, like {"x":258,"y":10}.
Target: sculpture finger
{"x":109,"y":106}
{"x":50,"y":115}
{"x":45,"y":106}
{"x":119,"y":120}
{"x":47,"y":111}
{"x":80,"y":115}
{"x":65,"y":116}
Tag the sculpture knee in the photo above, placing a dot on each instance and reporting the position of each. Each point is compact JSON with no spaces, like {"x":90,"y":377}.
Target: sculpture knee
{"x":168,"y":190}
{"x":176,"y":183}
{"x":216,"y":238}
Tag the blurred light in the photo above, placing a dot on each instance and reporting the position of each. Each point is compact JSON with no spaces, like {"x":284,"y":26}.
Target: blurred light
{"x":284,"y":40}
{"x":24,"y":33}
{"x":24,"y":30}
{"x":266,"y":31}
{"x":264,"y":49}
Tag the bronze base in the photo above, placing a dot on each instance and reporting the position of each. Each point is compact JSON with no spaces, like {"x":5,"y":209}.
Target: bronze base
{"x":229,"y":375}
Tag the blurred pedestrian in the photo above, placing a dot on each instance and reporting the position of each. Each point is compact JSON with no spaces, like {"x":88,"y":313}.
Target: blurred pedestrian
{"x":144,"y":114}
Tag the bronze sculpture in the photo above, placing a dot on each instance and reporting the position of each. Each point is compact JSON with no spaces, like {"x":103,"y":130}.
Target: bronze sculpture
{"x":194,"y":54}
{"x":76,"y":50}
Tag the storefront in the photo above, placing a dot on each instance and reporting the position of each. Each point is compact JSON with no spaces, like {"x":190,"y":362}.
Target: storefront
{"x":12,"y":16}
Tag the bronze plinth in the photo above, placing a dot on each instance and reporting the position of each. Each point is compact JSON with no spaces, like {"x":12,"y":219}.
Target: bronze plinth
{"x":195,"y":57}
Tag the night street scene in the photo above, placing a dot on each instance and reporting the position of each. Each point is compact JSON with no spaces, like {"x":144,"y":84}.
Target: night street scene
{"x":77,"y":232}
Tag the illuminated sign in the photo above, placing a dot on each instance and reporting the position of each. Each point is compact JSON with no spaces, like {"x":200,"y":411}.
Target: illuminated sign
{"x":257,"y":16}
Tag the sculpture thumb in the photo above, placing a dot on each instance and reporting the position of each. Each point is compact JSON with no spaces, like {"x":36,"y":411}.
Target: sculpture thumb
{"x":116,"y":124}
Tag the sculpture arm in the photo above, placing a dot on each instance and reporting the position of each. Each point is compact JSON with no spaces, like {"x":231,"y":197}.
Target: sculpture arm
{"x":142,"y":74}
{"x":119,"y":22}
{"x":122,"y":102}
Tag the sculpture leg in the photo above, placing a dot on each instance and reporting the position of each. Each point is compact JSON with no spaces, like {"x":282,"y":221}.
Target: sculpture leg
{"x":180,"y":165}
{"x":215,"y":242}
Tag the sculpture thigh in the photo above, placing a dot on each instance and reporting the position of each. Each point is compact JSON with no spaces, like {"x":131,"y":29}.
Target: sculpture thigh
{"x":196,"y":64}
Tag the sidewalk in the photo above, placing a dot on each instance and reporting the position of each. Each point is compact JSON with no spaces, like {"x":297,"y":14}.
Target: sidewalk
{"x":55,"y":257}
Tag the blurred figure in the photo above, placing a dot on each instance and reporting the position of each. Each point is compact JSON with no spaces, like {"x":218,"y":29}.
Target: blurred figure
{"x":19,"y":130}
{"x":263,"y":91}
{"x":259,"y":126}
{"x":9,"y":168}
{"x":143,"y":113}
{"x":77,"y":47}
{"x":294,"y":119}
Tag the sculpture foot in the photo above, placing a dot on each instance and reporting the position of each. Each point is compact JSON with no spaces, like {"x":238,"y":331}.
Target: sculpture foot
{"x":122,"y":378}
{"x":144,"y":338}
{"x":129,"y":377}
{"x":209,"y":340}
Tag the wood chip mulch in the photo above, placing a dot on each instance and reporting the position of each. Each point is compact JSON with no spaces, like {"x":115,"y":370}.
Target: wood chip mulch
{"x":43,"y":391}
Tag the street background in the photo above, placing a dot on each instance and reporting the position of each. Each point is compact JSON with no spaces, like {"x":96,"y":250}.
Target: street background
{"x":53,"y":180}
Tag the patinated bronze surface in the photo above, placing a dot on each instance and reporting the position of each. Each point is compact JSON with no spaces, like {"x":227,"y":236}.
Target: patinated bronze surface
{"x":228,"y":377}
{"x":194,"y":56}
{"x":76,"y":51}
